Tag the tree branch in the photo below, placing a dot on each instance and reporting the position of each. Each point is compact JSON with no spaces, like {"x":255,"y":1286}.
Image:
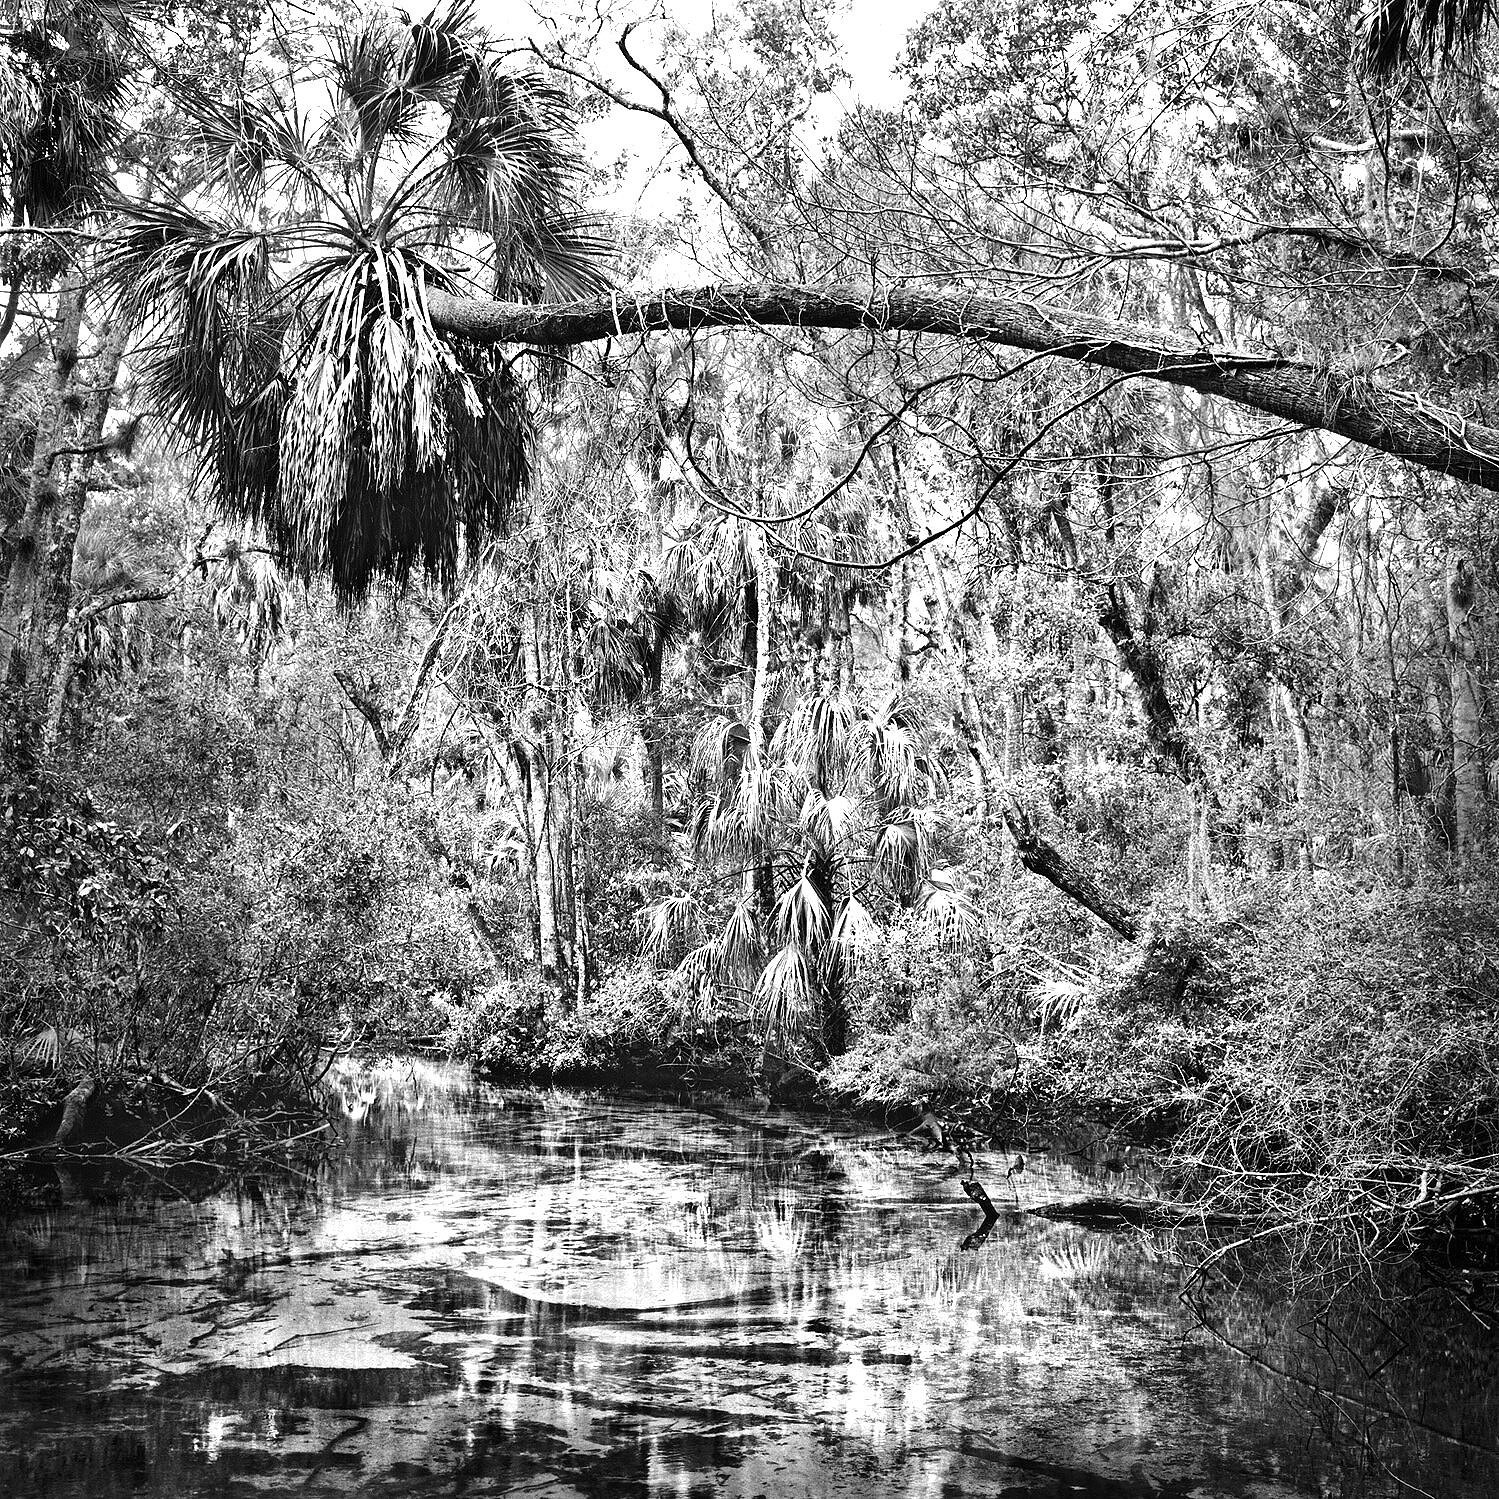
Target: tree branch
{"x":1347,"y":403}
{"x":368,"y":709}
{"x":1072,"y":880}
{"x":407,"y":721}
{"x":667,"y":114}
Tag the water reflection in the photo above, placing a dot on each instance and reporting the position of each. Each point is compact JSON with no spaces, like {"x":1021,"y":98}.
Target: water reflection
{"x":560,"y":1294}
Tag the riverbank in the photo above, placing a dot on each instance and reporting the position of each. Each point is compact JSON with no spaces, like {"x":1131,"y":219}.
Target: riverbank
{"x":113,"y":1130}
{"x":1325,"y":1069}
{"x":1325,"y":1073}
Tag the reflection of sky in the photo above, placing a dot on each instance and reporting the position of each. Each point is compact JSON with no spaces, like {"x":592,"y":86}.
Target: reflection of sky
{"x":559,"y":1294}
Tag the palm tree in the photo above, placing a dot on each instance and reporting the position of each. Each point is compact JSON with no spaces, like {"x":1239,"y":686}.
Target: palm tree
{"x":63,"y":75}
{"x":840,"y":814}
{"x":287,"y":295}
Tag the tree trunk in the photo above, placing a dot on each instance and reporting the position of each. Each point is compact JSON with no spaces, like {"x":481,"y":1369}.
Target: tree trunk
{"x":1280,"y":584}
{"x":51,"y":645}
{"x":1041,"y":858}
{"x":542,"y":817}
{"x":389,"y":746}
{"x":1142,"y":664}
{"x":24,"y":544}
{"x":1467,"y":713}
{"x":759,"y":879}
{"x":72,"y":1111}
{"x":1294,"y":390}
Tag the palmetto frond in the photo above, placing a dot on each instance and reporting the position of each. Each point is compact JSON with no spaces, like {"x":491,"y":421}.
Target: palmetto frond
{"x":247,"y":596}
{"x":882,"y":750}
{"x":671,"y":924}
{"x":241,"y":151}
{"x":20,"y":98}
{"x":786,"y":995}
{"x":900,"y":849}
{"x":67,"y":74}
{"x":831,"y":820}
{"x":947,"y":913}
{"x":1405,"y":31}
{"x":723,"y":831}
{"x":324,"y":407}
{"x":737,"y":951}
{"x":719,"y":749}
{"x":802,"y":916}
{"x":815,"y":737}
{"x":708,"y":568}
{"x":612,"y":660}
{"x":854,"y":932}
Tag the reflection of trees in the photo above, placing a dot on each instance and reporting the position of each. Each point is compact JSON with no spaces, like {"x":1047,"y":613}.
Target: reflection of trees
{"x":1356,"y":1367}
{"x":650,"y":1296}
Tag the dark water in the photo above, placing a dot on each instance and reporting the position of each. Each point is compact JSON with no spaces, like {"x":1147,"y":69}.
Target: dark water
{"x":567,"y":1295}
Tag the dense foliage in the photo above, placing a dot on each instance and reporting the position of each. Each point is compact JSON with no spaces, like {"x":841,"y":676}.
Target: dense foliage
{"x":880,"y":715}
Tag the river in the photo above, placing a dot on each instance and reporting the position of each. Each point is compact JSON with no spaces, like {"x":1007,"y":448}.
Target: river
{"x":557,"y":1293}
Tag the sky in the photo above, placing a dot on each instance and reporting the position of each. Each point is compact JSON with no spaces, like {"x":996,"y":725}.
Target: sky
{"x":871,"y":31}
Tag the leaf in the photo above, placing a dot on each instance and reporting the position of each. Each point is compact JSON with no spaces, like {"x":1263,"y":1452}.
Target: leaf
{"x":785,"y":995}
{"x":801,"y":914}
{"x":44,"y":1047}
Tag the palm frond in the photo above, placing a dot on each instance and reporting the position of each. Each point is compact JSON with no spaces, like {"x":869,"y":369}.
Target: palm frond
{"x":440,"y":49}
{"x":816,"y":737}
{"x":737,"y":950}
{"x":947,"y":913}
{"x":830,"y":820}
{"x":855,"y":932}
{"x":786,"y":996}
{"x":900,"y":849}
{"x":670,"y":926}
{"x":802,"y":915}
{"x":1400,"y":32}
{"x":300,"y":360}
{"x":719,"y":749}
{"x":883,"y":750}
{"x":612,"y":660}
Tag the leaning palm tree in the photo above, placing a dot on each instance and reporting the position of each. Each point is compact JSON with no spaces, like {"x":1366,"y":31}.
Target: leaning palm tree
{"x":285,"y":296}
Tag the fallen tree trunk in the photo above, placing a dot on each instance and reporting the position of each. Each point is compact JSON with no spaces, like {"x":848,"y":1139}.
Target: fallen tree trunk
{"x":1348,"y":403}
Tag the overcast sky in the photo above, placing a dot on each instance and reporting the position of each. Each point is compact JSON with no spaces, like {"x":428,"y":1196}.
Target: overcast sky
{"x":871,"y":31}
